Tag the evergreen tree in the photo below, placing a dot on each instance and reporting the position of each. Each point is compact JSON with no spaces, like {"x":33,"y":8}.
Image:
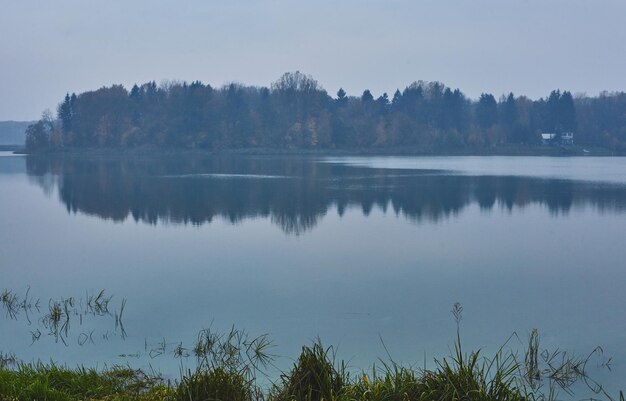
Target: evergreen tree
{"x":567,"y":112}
{"x":397,"y":98}
{"x":342,"y":99}
{"x":367,"y":96}
{"x":65,"y":113}
{"x":486,"y":111}
{"x":383,"y":103}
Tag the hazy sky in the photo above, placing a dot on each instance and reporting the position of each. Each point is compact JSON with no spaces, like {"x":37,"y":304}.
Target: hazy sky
{"x":530,"y":47}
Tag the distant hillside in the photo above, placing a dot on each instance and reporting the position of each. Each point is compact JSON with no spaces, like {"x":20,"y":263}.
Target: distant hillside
{"x":12,"y":132}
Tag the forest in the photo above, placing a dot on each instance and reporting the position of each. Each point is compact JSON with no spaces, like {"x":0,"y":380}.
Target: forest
{"x":295,"y":112}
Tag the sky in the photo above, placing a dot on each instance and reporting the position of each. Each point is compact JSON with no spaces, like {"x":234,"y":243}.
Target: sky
{"x":528,"y":47}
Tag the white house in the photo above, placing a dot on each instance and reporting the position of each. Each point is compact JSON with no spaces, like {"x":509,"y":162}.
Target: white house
{"x":547,"y":137}
{"x":566,"y":138}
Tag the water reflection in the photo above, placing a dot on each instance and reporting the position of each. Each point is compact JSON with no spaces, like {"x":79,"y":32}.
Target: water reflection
{"x":295,"y":193}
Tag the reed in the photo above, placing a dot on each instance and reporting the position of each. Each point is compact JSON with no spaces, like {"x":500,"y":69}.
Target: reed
{"x":229,"y":364}
{"x":61,"y":314}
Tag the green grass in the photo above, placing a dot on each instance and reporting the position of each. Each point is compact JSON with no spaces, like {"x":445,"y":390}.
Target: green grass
{"x":228,"y":365}
{"x":27,"y":382}
{"x":314,"y":377}
{"x":215,"y":384}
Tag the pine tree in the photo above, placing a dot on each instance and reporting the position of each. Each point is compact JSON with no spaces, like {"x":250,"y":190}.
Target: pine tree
{"x":342,"y":99}
{"x":65,"y":113}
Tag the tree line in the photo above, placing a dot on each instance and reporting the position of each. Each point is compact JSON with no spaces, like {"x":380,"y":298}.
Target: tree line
{"x":295,"y":112}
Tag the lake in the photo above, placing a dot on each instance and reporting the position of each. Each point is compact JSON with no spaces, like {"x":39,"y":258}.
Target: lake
{"x":355,"y":250}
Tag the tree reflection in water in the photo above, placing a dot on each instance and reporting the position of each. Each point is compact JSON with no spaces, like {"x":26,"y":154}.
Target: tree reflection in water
{"x":295,"y":193}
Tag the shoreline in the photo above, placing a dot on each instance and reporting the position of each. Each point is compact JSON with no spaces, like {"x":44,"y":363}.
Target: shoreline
{"x":229,"y":368}
{"x":154,"y":151}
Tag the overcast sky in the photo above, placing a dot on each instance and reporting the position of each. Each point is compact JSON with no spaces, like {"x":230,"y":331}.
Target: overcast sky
{"x":529,"y":47}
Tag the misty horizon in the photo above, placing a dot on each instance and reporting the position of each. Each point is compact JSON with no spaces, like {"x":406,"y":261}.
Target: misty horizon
{"x":525,"y":47}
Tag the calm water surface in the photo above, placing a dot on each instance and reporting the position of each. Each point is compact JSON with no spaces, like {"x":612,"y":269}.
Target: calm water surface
{"x":350,"y":249}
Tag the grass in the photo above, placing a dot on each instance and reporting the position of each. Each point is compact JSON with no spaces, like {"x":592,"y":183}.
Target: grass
{"x":27,"y":382}
{"x":314,"y":376}
{"x":215,"y":384}
{"x":228,"y":365}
